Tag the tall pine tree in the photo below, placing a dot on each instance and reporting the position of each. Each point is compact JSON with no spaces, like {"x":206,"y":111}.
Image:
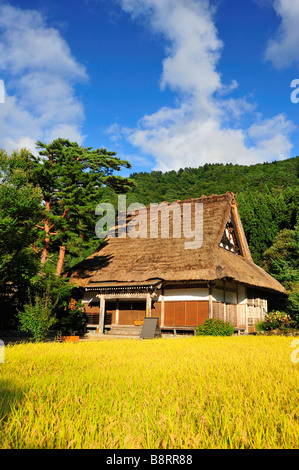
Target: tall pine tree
{"x":72,"y":179}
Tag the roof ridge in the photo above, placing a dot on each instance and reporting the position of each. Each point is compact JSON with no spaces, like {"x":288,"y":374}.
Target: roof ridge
{"x":212,"y":198}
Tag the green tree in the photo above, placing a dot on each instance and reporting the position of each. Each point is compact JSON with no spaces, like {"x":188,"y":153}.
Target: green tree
{"x":20,"y":209}
{"x":281,"y":260}
{"x":72,"y":179}
{"x":47,"y":207}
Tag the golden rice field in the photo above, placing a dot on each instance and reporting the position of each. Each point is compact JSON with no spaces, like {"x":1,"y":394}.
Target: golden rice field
{"x":183,"y":393}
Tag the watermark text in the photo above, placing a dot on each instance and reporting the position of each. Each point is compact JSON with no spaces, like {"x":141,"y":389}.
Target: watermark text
{"x":138,"y":221}
{"x":295,"y":93}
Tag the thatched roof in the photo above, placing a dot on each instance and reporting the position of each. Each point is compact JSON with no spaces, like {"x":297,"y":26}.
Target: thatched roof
{"x":141,"y":259}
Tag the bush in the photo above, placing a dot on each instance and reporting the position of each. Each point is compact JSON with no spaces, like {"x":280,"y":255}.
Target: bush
{"x":72,"y":318}
{"x":63,"y":299}
{"x":37,"y":317}
{"x":260,"y":326}
{"x":277,"y":320}
{"x":214,"y":327}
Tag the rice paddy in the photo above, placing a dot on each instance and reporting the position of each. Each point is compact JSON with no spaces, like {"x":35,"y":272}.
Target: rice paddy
{"x":182,"y":393}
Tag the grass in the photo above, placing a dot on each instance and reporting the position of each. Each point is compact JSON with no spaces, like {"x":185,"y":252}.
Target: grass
{"x":191,"y":393}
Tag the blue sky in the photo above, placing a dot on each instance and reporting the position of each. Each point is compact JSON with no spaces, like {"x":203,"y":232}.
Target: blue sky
{"x":167,"y":84}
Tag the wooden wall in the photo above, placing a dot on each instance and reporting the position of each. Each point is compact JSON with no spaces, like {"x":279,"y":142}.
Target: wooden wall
{"x":128,"y":312}
{"x":131,"y":311}
{"x":233,"y":313}
{"x":156,"y":311}
{"x":189,"y":313}
{"x":232,"y":303}
{"x":92,"y":314}
{"x":176,"y":313}
{"x":110,"y":312}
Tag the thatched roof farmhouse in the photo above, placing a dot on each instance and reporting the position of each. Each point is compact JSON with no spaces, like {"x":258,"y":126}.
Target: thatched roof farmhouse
{"x":159,"y":275}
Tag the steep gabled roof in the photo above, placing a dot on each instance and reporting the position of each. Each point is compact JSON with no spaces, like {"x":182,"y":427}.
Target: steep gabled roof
{"x":141,"y":259}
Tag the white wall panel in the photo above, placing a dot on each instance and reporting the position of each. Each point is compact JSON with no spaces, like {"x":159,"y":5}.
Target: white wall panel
{"x":196,"y":293}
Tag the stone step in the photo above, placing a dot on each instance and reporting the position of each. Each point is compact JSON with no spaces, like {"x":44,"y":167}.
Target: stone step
{"x":124,"y":330}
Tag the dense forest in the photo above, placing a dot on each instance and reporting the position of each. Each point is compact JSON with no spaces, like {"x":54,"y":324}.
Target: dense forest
{"x":47,"y":215}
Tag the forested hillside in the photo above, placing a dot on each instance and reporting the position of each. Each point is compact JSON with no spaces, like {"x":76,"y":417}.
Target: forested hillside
{"x":216,"y":179}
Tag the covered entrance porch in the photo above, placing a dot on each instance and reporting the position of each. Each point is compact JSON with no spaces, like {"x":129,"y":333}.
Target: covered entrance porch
{"x":124,"y":304}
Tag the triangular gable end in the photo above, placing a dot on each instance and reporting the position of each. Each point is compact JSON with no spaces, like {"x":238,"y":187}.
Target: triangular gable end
{"x":230,"y":241}
{"x":233,"y":238}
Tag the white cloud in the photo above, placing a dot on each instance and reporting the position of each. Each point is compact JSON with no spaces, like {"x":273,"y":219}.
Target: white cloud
{"x":197,"y":142}
{"x":40,"y":76}
{"x":203,"y":127}
{"x":283,"y":50}
{"x":114,"y":131}
{"x":270,"y":137}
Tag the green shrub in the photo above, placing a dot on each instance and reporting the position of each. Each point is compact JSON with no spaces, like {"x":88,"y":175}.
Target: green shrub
{"x":260,"y":326}
{"x":72,"y":319}
{"x":37,"y":318}
{"x":214,"y":327}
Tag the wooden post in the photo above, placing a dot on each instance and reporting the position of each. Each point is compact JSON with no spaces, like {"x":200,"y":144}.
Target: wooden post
{"x":210,"y":302}
{"x":162,"y":307}
{"x":148,"y":305}
{"x":117,"y":312}
{"x":246,"y":317}
{"x":102,"y":314}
